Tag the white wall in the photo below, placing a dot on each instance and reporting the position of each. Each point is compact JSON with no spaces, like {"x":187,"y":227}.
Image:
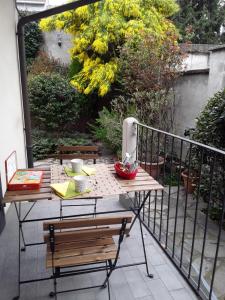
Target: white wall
{"x":196,"y":61}
{"x":11,"y":117}
{"x":53,"y":49}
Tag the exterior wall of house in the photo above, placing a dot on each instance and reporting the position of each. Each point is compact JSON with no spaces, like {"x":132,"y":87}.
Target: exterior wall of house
{"x":51,"y":46}
{"x":196,"y":61}
{"x":191,"y":95}
{"x":217,"y":71}
{"x":11,"y":116}
{"x":204,"y":77}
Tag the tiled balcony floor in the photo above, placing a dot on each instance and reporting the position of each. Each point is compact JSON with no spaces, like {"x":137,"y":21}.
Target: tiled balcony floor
{"x":126,"y":284}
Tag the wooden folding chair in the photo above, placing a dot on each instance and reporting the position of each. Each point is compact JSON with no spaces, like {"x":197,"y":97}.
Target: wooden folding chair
{"x":82,"y":152}
{"x":83,"y":242}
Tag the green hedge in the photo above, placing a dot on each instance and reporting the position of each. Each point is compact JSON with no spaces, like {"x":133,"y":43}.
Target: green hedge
{"x":55,"y":105}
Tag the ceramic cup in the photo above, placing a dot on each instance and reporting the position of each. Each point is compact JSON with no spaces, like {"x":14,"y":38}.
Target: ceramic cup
{"x":77,"y":165}
{"x":81,"y":183}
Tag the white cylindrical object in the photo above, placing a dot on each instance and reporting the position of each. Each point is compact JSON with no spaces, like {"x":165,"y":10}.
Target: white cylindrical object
{"x":77,"y":165}
{"x":129,"y":143}
{"x":81,"y":183}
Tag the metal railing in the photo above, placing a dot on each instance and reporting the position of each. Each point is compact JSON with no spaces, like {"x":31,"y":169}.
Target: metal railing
{"x":187,"y":219}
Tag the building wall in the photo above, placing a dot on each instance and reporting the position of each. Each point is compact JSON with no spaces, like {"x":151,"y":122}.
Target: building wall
{"x":191,"y":96}
{"x":217,"y":71}
{"x":53,"y":49}
{"x":11,"y":117}
{"x":205,"y":76}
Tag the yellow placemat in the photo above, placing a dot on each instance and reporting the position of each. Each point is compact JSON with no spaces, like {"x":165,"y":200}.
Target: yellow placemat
{"x":66,"y":190}
{"x":85,"y":171}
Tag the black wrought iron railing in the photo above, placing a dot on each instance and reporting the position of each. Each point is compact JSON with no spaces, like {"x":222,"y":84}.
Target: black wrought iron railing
{"x":187,"y":219}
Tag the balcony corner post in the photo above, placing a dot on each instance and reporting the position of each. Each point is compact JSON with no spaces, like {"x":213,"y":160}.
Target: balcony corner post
{"x":129,"y":142}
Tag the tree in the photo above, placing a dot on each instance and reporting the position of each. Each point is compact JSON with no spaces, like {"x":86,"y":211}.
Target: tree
{"x":200,"y":21}
{"x":99,"y":29}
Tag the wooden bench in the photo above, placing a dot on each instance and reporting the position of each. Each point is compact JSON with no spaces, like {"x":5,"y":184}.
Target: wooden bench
{"x":82,"y":152}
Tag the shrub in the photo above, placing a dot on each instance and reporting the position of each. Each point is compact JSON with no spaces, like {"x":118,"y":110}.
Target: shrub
{"x":210,"y":130}
{"x":45,"y":145}
{"x":33,"y":41}
{"x":108,"y":129}
{"x":54,"y":103}
{"x":44,"y":63}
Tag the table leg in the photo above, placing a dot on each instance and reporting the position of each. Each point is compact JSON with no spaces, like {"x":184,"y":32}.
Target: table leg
{"x":137,"y":214}
{"x":144,"y":250}
{"x":20,"y":225}
{"x":19,"y":242}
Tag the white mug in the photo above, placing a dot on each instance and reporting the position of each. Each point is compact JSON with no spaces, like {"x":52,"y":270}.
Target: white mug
{"x":81,"y":183}
{"x":77,"y":165}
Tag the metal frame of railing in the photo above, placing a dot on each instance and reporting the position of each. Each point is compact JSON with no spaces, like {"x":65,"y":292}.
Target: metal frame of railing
{"x":154,"y":143}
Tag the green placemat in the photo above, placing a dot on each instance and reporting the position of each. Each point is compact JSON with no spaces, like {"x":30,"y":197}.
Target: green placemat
{"x":66,"y":190}
{"x":69,"y":172}
{"x":85,"y":171}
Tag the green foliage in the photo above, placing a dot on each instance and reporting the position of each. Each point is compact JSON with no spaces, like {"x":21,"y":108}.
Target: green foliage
{"x":45,"y":145}
{"x":210,"y":130}
{"x":200,"y":21}
{"x":55,"y":105}
{"x":149,"y":70}
{"x":108,"y":129}
{"x":33,"y":40}
{"x":98,"y":29}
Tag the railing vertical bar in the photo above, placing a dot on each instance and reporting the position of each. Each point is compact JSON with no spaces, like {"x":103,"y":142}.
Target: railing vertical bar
{"x":196,"y":211}
{"x":177,"y":201}
{"x":141,"y":150}
{"x":137,"y":143}
{"x":146,"y":148}
{"x":157,"y":165}
{"x":185,"y":207}
{"x":168,"y":214}
{"x":149,"y":203}
{"x":155,"y":211}
{"x":163,"y":180}
{"x":151,"y":155}
{"x":143,"y":195}
{"x":219,"y":237}
{"x":206,"y":223}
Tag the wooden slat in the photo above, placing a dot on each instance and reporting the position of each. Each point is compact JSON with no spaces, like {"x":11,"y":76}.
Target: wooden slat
{"x":143,"y":188}
{"x":45,"y":184}
{"x":81,"y":156}
{"x":82,"y":251}
{"x":78,"y":148}
{"x":29,"y":192}
{"x":87,"y":222}
{"x":79,"y":260}
{"x":68,"y":236}
{"x":46,"y":180}
{"x":138,"y":183}
{"x":83,"y":243}
{"x":33,"y":197}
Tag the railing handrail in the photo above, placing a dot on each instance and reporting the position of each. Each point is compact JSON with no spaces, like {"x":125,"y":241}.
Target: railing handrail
{"x":182,"y":138}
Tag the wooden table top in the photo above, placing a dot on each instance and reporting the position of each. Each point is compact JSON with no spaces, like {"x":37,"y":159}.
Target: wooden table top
{"x":32,"y":195}
{"x":104,"y":183}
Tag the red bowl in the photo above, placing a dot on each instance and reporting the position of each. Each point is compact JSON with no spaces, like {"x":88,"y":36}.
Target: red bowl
{"x":124,"y":174}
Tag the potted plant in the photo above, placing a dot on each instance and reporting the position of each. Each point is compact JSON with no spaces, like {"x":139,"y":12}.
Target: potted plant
{"x":190,"y":179}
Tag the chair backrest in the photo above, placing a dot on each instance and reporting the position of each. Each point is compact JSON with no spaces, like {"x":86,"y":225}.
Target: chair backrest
{"x":86,"y":228}
{"x":83,"y":152}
